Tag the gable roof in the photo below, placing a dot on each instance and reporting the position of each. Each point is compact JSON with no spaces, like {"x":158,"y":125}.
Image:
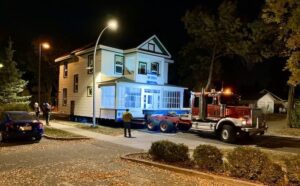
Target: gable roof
{"x":276,"y":98}
{"x":139,"y":48}
{"x":155,"y":40}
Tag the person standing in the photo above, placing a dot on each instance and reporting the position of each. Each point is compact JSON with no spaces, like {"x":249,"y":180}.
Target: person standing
{"x":127,"y":117}
{"x":37,"y":110}
{"x":47,"y":113}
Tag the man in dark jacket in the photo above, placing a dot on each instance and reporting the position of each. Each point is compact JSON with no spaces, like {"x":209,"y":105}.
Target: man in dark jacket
{"x":127,"y":117}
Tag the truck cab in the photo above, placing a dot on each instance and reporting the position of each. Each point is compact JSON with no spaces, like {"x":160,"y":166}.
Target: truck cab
{"x":221,"y":113}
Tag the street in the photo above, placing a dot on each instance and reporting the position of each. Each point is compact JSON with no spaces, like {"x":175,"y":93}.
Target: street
{"x":88,"y":162}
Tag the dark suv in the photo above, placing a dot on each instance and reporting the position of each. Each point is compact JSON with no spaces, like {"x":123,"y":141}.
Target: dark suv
{"x":15,"y":124}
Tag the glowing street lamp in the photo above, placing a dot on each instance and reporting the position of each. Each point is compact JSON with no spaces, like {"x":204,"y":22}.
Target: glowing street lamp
{"x":113,"y":25}
{"x":41,"y":46}
{"x":1,"y":65}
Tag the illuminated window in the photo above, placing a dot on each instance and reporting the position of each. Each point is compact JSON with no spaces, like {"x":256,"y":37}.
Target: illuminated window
{"x":142,"y":68}
{"x":90,"y":64}
{"x":108,"y":97}
{"x":89,"y":91}
{"x":64,"y":97}
{"x":119,"y":64}
{"x":171,"y":99}
{"x":130,"y":97}
{"x":155,"y":68}
{"x":65,"y":69}
{"x":75,"y":83}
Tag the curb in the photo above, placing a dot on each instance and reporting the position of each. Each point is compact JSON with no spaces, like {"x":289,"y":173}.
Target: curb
{"x":222,"y":179}
{"x":65,"y":139}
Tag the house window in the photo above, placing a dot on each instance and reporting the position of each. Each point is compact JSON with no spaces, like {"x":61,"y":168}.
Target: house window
{"x":89,"y":91}
{"x":108,"y":97}
{"x":75,"y":83}
{"x":130,"y":97}
{"x":65,"y":69}
{"x":155,"y":68}
{"x":171,"y":99}
{"x":142,"y":68}
{"x":90,"y":64}
{"x":119,"y":64}
{"x":151,"y":47}
{"x":65,"y":101}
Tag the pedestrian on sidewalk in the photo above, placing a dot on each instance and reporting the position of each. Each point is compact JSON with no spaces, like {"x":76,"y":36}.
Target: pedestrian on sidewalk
{"x":37,"y":110}
{"x":127,"y":117}
{"x":47,"y":109}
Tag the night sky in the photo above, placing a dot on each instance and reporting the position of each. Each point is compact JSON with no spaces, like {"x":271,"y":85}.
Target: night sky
{"x":68,"y":25}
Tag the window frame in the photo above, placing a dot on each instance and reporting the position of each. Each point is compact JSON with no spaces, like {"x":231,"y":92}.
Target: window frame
{"x":157,"y":67}
{"x":153,"y":47}
{"x":87,"y":93}
{"x":139,"y":67}
{"x":64,"y":97}
{"x":118,"y":65}
{"x":75,"y":83}
{"x":65,"y":70}
{"x":90,"y":62}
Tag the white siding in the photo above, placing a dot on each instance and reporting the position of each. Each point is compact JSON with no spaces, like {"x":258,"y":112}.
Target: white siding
{"x":266,"y":103}
{"x":82,"y":101}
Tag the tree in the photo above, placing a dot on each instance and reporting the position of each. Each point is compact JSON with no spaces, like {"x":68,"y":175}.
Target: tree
{"x":285,"y":15}
{"x":11,"y":82}
{"x":222,"y":35}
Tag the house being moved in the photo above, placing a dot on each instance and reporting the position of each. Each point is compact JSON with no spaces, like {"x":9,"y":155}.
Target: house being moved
{"x":135,"y":78}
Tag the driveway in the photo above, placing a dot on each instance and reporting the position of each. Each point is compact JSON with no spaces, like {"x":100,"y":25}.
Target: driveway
{"x":89,"y":162}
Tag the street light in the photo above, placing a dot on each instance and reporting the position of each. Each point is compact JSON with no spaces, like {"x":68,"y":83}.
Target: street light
{"x":1,"y":65}
{"x":44,"y":46}
{"x":113,"y":25}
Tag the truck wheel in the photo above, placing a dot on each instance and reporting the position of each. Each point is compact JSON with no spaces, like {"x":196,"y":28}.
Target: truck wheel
{"x":2,"y":136}
{"x":228,"y":134}
{"x":151,"y":125}
{"x":165,"y":126}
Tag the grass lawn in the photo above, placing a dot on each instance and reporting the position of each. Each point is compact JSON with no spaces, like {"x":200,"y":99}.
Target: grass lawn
{"x":277,"y":125}
{"x":49,"y":131}
{"x":113,"y":131}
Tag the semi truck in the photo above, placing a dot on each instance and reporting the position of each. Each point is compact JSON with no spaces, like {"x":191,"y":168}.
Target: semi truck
{"x":218,"y":112}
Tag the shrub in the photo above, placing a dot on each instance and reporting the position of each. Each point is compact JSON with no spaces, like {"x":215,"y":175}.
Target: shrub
{"x":272,"y":174}
{"x":208,"y":157}
{"x":293,"y":170}
{"x":169,"y":151}
{"x":247,"y":162}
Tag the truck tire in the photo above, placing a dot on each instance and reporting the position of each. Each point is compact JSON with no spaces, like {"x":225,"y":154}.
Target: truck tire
{"x":151,"y":125}
{"x":166,"y":126}
{"x":2,"y":136}
{"x":228,"y":134}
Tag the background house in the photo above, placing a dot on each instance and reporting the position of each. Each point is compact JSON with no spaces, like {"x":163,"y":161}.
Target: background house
{"x":270,"y":103}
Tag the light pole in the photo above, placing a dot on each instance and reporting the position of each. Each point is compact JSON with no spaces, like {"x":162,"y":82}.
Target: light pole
{"x":113,"y":25}
{"x":44,"y":46}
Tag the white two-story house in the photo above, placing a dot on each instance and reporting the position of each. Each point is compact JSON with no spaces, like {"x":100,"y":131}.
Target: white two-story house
{"x":135,"y":78}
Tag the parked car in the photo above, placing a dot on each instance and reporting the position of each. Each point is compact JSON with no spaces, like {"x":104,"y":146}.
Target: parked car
{"x":20,"y":124}
{"x":168,"y":122}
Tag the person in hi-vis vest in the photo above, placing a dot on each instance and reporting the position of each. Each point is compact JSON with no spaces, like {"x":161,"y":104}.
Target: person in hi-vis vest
{"x":127,"y":117}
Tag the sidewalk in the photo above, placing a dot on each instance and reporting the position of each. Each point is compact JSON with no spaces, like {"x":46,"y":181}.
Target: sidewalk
{"x":140,"y":140}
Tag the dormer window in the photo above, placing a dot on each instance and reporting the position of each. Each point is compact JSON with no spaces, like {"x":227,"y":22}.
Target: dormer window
{"x":151,"y":47}
{"x":142,"y":68}
{"x":119,"y":64}
{"x":155,"y":68}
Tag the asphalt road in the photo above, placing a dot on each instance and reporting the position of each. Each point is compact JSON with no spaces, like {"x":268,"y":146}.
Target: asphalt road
{"x":88,"y":162}
{"x":269,"y":142}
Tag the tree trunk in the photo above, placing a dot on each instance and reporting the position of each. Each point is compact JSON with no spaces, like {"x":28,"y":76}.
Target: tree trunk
{"x":211,"y":68}
{"x":290,"y":105}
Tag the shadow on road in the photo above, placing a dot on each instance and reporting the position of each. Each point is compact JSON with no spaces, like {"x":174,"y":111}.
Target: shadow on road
{"x":16,"y":142}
